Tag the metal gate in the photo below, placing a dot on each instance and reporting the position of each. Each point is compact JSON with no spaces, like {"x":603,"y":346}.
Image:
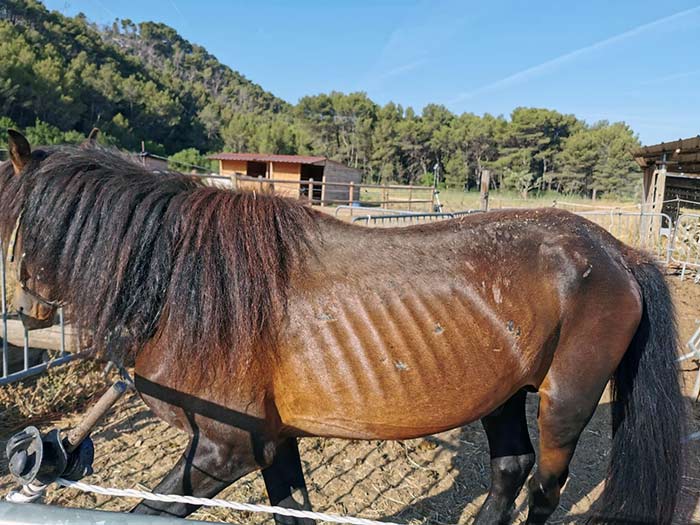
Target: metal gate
{"x":32,"y":361}
{"x":652,"y":232}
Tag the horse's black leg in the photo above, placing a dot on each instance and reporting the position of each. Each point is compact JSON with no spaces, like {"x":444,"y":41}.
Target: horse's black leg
{"x":284,"y":480}
{"x":204,"y":470}
{"x":512,"y":458}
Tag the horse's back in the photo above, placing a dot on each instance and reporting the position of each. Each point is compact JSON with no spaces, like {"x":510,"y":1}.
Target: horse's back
{"x":405,"y":333}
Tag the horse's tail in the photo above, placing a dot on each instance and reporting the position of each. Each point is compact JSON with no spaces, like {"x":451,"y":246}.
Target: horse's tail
{"x":648,"y":415}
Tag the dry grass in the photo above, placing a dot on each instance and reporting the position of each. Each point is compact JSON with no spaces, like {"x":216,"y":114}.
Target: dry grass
{"x":50,"y":396}
{"x":454,"y":200}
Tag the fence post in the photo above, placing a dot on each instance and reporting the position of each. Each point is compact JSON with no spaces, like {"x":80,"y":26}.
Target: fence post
{"x":410,"y":196}
{"x":485,"y":179}
{"x":385,"y":195}
{"x":260,"y":179}
{"x":323,"y":190}
{"x":351,"y":191}
{"x":311,"y":190}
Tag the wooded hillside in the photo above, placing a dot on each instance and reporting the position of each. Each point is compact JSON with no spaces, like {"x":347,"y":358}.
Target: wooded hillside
{"x":61,"y":76}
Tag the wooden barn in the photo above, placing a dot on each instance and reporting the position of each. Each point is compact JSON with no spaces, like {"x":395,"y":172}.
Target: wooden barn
{"x":323,"y":180}
{"x":671,"y":173}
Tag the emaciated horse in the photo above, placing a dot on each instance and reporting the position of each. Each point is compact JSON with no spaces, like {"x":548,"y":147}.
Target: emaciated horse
{"x":254,"y":320}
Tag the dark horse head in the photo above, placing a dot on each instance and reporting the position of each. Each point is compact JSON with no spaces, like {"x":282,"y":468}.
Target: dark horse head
{"x":31,"y":296}
{"x":34,"y":310}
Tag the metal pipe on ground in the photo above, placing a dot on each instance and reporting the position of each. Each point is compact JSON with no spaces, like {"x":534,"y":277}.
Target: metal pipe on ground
{"x":35,"y":514}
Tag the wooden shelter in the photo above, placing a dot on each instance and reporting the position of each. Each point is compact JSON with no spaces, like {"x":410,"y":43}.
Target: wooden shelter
{"x":671,"y":173}
{"x":318,"y":178}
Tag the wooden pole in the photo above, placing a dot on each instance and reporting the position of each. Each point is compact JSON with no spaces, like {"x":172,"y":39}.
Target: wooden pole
{"x":485,"y":179}
{"x":323,"y":190}
{"x":351,"y":193}
{"x":311,"y":190}
{"x":410,"y":197}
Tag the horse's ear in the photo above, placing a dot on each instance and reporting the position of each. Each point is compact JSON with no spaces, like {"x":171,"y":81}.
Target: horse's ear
{"x":20,"y":151}
{"x":91,"y":139}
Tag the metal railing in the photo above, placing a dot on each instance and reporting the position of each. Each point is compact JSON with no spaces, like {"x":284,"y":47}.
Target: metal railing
{"x":371,"y":210}
{"x":408,"y":218}
{"x":34,"y":513}
{"x":33,"y":361}
{"x":652,"y":232}
{"x":693,"y":345}
{"x":686,"y":243}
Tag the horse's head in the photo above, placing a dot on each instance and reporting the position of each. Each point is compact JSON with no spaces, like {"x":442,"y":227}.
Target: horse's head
{"x":29,"y":298}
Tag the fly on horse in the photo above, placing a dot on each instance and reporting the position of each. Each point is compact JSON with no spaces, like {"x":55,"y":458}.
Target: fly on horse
{"x":253,"y":320}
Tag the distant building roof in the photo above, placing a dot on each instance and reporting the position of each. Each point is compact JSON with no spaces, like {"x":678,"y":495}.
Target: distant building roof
{"x":264,"y":157}
{"x":680,"y":155}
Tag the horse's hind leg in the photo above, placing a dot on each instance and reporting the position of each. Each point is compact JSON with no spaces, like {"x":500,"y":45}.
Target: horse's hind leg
{"x":284,"y":481}
{"x":583,"y":363}
{"x":512,"y":458}
{"x":561,"y":421}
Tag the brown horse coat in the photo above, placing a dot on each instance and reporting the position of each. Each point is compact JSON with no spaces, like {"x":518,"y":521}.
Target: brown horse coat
{"x":399,"y":333}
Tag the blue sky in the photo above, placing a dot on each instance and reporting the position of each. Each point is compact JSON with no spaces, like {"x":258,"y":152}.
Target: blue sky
{"x":637,"y":61}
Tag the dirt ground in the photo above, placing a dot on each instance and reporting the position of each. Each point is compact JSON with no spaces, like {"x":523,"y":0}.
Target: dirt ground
{"x":440,"y":479}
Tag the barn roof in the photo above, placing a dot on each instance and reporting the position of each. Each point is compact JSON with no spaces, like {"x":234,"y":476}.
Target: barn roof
{"x":264,"y":157}
{"x":681,"y":156}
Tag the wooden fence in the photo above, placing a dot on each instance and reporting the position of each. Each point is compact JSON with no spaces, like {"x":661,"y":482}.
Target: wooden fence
{"x":408,"y":196}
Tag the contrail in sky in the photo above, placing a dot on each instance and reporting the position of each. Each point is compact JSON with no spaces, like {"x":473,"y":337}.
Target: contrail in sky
{"x":537,"y":70}
{"x":172,"y":2}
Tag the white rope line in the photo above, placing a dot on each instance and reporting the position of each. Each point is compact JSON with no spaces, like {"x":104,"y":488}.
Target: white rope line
{"x":206,"y":502}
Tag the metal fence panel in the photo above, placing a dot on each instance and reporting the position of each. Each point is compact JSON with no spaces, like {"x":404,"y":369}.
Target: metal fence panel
{"x":406,"y":219}
{"x":371,"y":210}
{"x":652,"y":232}
{"x":26,"y":369}
{"x":686,"y":242}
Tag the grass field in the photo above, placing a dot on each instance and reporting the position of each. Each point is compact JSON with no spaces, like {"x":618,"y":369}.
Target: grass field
{"x":454,"y":200}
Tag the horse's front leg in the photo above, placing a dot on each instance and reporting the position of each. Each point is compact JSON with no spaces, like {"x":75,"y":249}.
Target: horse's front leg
{"x":284,"y":481}
{"x":205,"y":469}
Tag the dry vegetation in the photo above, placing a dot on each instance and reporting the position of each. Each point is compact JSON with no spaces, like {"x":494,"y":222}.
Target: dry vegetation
{"x":50,"y":396}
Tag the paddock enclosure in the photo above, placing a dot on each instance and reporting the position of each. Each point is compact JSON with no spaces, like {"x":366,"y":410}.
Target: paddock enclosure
{"x":439,"y":479}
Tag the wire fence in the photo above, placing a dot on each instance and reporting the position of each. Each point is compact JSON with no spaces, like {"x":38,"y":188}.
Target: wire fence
{"x":652,"y":232}
{"x":405,"y":219}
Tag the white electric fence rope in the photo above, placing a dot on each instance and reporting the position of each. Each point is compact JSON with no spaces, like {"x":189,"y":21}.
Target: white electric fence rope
{"x":206,"y":502}
{"x":29,"y":494}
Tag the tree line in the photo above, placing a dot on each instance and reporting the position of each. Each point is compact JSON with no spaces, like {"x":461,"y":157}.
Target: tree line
{"x":145,"y":84}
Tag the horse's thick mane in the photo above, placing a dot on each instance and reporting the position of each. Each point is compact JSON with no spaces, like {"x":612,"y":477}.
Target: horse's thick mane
{"x":137,"y":255}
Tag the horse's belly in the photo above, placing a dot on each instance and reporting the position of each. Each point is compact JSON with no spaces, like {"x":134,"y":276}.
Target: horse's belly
{"x":397,"y":369}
